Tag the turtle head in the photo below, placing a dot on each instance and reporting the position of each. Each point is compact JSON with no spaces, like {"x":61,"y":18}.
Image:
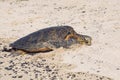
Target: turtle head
{"x":88,"y":40}
{"x":84,"y":39}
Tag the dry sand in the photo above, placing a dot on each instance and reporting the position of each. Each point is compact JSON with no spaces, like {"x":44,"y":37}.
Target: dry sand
{"x":99,"y":19}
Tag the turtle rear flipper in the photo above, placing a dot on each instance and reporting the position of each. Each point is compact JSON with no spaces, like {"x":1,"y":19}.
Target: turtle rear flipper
{"x":44,"y":49}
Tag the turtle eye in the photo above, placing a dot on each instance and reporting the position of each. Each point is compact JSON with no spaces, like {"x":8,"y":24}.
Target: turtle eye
{"x":86,"y":42}
{"x":69,"y":33}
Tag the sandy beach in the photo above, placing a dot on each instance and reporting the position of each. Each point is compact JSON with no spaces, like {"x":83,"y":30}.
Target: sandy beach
{"x":99,"y":19}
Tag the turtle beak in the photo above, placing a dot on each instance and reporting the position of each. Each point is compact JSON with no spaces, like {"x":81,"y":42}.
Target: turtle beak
{"x":84,"y":39}
{"x":88,"y":40}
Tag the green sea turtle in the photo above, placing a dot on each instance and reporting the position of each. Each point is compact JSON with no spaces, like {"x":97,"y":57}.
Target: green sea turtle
{"x":50,"y":38}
